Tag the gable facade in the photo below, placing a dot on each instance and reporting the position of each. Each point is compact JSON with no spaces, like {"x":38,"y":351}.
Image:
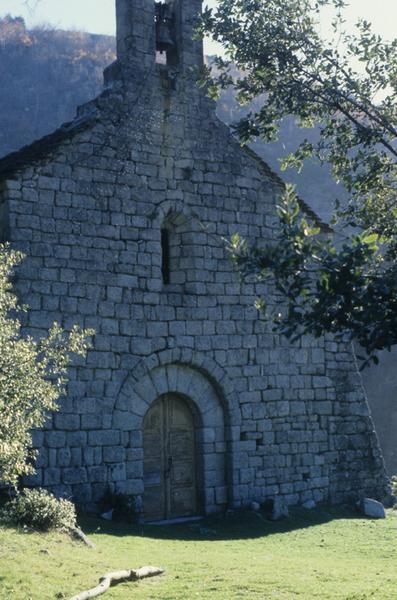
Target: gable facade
{"x":187,"y":402}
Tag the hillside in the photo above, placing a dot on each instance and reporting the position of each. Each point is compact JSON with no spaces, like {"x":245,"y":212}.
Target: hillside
{"x":44,"y":75}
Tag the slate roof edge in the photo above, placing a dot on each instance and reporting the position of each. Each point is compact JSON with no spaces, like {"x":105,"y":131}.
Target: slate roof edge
{"x":268,"y":171}
{"x":40,"y":149}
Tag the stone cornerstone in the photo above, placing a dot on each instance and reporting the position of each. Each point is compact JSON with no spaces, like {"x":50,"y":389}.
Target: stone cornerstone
{"x":187,"y":401}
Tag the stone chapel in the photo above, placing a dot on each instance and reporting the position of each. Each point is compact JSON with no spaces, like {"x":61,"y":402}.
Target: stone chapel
{"x":187,"y":402}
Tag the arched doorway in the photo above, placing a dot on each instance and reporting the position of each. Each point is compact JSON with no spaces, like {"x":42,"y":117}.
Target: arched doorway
{"x":170,"y":470}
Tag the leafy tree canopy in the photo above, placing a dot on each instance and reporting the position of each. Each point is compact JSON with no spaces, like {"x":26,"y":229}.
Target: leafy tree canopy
{"x":32,"y":376}
{"x":346,"y":86}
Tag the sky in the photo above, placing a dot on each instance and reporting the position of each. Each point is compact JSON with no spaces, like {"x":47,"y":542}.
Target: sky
{"x":98,"y":16}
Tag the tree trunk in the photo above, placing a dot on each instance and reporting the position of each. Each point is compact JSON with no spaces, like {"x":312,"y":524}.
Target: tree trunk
{"x":110,"y":579}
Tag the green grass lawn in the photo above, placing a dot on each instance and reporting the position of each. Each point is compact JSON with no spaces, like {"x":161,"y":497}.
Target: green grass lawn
{"x":327,"y":553}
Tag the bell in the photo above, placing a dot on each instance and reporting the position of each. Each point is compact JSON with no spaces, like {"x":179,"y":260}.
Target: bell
{"x":164,"y":28}
{"x":164,"y":40}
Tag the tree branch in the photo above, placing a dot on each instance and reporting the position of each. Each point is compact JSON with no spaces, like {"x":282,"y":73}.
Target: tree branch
{"x":110,"y":579}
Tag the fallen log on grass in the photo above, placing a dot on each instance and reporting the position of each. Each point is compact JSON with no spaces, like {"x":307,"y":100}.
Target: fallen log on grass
{"x":110,"y":579}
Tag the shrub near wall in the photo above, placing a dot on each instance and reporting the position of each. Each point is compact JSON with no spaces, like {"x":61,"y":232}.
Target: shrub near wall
{"x":40,"y":510}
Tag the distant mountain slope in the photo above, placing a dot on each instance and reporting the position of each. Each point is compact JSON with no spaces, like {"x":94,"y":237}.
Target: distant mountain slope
{"x":44,"y":76}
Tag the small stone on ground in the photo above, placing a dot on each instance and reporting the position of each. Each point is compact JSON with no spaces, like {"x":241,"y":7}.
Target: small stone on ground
{"x":373,"y":509}
{"x":280,"y":509}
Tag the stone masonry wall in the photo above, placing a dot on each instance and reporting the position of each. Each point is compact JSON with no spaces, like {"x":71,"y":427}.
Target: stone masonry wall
{"x":275,"y":418}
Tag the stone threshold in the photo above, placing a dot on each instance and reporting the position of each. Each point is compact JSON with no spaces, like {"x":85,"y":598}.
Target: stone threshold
{"x":175,"y":521}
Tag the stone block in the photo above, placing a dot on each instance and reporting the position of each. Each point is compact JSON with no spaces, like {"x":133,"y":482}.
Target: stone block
{"x":215,"y":478}
{"x":136,"y":440}
{"x":55,"y":439}
{"x":280,"y":509}
{"x":88,"y":456}
{"x":97,"y":474}
{"x":221,"y":495}
{"x":126,"y":421}
{"x":74,"y":475}
{"x":76,"y":457}
{"x":246,"y":475}
{"x":109,"y":437}
{"x":209,"y":434}
{"x":117,"y":472}
{"x":64,"y":457}
{"x":98,"y":491}
{"x":52,"y":476}
{"x":134,"y":469}
{"x":113,"y":454}
{"x":91,"y":421}
{"x":76,"y":439}
{"x":67,"y":422}
{"x":131,"y":487}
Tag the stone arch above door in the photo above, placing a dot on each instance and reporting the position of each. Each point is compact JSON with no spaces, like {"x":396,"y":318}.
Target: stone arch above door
{"x":202,"y":367}
{"x":178,"y":378}
{"x":215,"y":444}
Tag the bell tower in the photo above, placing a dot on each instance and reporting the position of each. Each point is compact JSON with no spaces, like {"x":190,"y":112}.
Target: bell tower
{"x":145,"y":27}
{"x":135,"y":33}
{"x":188,"y":51}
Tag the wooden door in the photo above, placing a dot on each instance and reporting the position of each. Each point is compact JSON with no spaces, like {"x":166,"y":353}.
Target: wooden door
{"x":169,"y":460}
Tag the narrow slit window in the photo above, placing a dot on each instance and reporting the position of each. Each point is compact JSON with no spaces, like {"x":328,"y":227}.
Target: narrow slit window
{"x":165,"y":255}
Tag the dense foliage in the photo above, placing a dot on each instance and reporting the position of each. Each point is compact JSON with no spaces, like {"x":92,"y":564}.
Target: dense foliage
{"x":32,"y":376}
{"x":39,"y":510}
{"x":347,"y":87}
{"x":325,"y":289}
